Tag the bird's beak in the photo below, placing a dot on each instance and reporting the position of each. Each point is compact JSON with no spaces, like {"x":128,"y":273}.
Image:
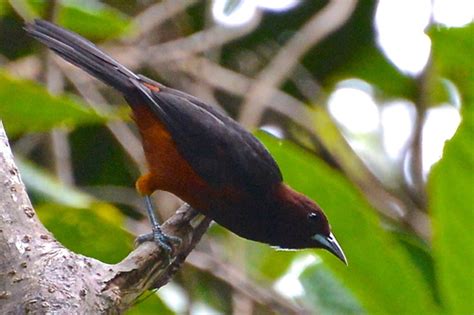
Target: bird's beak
{"x":330,"y":244}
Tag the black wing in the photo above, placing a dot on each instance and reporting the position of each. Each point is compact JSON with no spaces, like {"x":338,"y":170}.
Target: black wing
{"x":220,"y":150}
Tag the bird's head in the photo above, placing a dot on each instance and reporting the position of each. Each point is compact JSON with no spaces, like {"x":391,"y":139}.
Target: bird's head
{"x":301,"y":223}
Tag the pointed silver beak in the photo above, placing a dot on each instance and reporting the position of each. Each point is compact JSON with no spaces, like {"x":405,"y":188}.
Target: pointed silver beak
{"x":331,"y":245}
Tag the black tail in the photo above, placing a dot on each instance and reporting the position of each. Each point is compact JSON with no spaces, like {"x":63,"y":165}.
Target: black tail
{"x":83,"y":54}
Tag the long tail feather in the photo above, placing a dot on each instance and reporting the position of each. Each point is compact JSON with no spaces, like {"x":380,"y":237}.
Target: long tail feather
{"x":83,"y":54}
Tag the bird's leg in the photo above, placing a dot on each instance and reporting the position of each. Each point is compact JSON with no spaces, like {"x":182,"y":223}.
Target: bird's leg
{"x":157,"y":235}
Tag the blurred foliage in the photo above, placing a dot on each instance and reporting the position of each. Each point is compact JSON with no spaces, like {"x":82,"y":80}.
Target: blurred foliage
{"x":3,"y":8}
{"x":92,"y":19}
{"x":150,"y":304}
{"x":451,"y":46}
{"x":392,"y":269}
{"x":326,"y":294}
{"x":43,"y":184}
{"x":44,"y":111}
{"x":452,"y":200}
{"x":264,"y":261}
{"x":76,"y":228}
{"x":100,"y":163}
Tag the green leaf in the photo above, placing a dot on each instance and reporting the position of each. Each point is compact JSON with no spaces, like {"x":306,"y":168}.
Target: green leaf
{"x":451,"y":201}
{"x":326,"y":294}
{"x":79,"y":221}
{"x":41,"y":182}
{"x":91,"y":18}
{"x":380,"y":272}
{"x":28,"y":107}
{"x":149,"y":304}
{"x":421,"y":256}
{"x":94,"y":232}
{"x":451,"y":50}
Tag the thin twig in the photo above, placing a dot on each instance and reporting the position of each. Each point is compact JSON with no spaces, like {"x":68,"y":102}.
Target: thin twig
{"x":118,"y":195}
{"x":201,"y":41}
{"x":27,"y":143}
{"x":51,"y":11}
{"x":26,"y":68}
{"x":238,"y":84}
{"x":158,"y":13}
{"x":59,"y":137}
{"x":416,"y":162}
{"x":304,"y":81}
{"x":323,"y":23}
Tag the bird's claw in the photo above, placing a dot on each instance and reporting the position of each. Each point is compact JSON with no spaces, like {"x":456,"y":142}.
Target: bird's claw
{"x":165,"y":242}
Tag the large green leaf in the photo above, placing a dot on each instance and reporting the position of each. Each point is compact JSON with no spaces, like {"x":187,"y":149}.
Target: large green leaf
{"x":94,"y":232}
{"x":380,"y":272}
{"x":451,"y":184}
{"x":28,"y":107}
{"x":451,"y":200}
{"x":80,"y":222}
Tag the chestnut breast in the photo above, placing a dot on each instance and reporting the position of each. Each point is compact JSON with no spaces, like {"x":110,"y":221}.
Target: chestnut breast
{"x":169,"y":171}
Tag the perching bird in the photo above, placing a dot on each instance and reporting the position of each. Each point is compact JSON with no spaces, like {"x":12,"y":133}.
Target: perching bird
{"x":202,"y":156}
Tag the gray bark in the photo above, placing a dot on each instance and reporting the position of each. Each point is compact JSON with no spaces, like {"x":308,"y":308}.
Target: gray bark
{"x":38,"y":275}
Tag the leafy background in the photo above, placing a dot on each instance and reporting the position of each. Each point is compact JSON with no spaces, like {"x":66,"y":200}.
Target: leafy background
{"x":81,"y":178}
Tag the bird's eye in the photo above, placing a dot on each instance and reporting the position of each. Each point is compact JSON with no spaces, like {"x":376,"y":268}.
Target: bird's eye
{"x":313,"y":216}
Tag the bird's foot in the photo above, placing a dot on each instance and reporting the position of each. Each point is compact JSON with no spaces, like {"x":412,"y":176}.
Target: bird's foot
{"x":165,"y":242}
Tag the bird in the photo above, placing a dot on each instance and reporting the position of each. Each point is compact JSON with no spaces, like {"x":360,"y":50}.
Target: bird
{"x":201,"y":155}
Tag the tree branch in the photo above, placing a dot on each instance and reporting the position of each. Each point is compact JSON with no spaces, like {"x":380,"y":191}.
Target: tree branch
{"x":39,"y":275}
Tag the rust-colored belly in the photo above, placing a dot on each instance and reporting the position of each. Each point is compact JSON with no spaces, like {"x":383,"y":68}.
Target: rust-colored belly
{"x":169,"y":171}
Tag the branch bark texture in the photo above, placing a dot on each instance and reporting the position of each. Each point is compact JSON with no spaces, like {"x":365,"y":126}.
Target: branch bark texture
{"x":38,"y":275}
